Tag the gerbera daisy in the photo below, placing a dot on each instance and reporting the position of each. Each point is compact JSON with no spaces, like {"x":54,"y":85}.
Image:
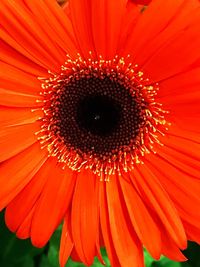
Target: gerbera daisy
{"x":99,"y":126}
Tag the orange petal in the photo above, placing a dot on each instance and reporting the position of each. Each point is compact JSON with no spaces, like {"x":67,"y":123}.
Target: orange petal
{"x":11,"y":56}
{"x":64,"y":22}
{"x":24,"y":229}
{"x":13,"y":99}
{"x":147,"y":28}
{"x":183,"y":134}
{"x":107,"y":19}
{"x":155,"y":41}
{"x":188,"y":116}
{"x":15,"y":139}
{"x":18,"y":171}
{"x":186,"y":82}
{"x":169,"y":248}
{"x":14,"y":23}
{"x":74,"y":256}
{"x":52,"y":205}
{"x":61,"y":33}
{"x":175,"y":54}
{"x":182,"y":105}
{"x":129,"y":249}
{"x":66,"y":9}
{"x":10,"y":41}
{"x":140,"y":218}
{"x":80,"y":10}
{"x":21,"y":25}
{"x":156,"y":197}
{"x":84,"y":217}
{"x":186,"y":164}
{"x":99,"y":242}
{"x":66,"y":243}
{"x":130,"y":18}
{"x":16,"y":80}
{"x":193,"y":232}
{"x":105,"y":226}
{"x":182,"y":189}
{"x":18,"y":209}
{"x":18,"y":116}
{"x":18,"y":88}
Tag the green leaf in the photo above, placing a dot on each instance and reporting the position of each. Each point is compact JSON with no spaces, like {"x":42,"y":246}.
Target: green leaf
{"x":54,"y":244}
{"x":44,"y":262}
{"x":193,"y":255}
{"x":165,"y":262}
{"x":148,"y":259}
{"x":15,"y":252}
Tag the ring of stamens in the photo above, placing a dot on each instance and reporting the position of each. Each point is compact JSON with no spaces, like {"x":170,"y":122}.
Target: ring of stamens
{"x":141,"y":130}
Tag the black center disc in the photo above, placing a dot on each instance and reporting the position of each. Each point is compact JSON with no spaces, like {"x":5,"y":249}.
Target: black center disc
{"x":97,"y":115}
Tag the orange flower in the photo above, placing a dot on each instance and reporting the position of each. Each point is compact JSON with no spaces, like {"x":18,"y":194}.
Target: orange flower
{"x":99,"y":110}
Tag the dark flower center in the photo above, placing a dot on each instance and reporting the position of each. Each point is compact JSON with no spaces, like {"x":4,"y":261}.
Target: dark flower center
{"x":98,"y":115}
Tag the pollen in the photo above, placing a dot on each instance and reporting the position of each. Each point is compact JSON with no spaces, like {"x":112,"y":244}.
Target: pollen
{"x":100,"y":114}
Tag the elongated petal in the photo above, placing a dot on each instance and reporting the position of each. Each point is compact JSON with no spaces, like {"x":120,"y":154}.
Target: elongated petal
{"x":155,"y":26}
{"x":10,"y":116}
{"x":33,"y":40}
{"x":170,"y":249}
{"x":52,"y":14}
{"x":15,"y":139}
{"x":130,"y":18}
{"x":107,"y":19}
{"x":140,"y":218}
{"x":129,"y":248}
{"x":182,"y":189}
{"x":186,"y":83}
{"x":155,"y":195}
{"x":12,"y":99}
{"x":18,"y":209}
{"x":165,"y":36}
{"x":66,"y":243}
{"x":84,"y":217}
{"x":11,"y":78}
{"x":52,"y":205}
{"x":193,"y":232}
{"x":11,"y":56}
{"x":18,"y":31}
{"x":80,"y":10}
{"x":24,"y":229}
{"x":18,"y":171}
{"x":106,"y":227}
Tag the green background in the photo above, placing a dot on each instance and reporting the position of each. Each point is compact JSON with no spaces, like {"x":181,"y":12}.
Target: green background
{"x":20,"y":253}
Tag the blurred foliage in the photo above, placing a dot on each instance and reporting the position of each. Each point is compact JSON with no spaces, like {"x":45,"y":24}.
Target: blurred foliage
{"x":20,"y":253}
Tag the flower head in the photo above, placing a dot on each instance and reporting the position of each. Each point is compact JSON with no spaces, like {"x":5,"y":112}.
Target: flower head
{"x":99,"y":110}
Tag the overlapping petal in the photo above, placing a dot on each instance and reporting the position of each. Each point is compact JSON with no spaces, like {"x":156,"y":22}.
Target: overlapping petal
{"x":157,"y":204}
